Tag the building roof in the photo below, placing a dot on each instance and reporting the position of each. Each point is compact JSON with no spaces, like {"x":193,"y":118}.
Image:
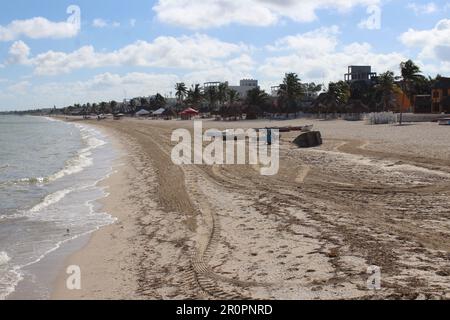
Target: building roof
{"x":442,"y":83}
{"x":142,"y":112}
{"x":159,"y":112}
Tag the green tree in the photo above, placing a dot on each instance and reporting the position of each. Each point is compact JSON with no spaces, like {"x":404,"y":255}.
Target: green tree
{"x":232,"y":96}
{"x":222,"y":93}
{"x":113,"y":106}
{"x":290,"y":92}
{"x":340,"y":91}
{"x":256,"y":97}
{"x":311,"y":87}
{"x":195,"y":96}
{"x":211,"y":95}
{"x":387,"y":88}
{"x":157,"y":102}
{"x":411,"y":75}
{"x":180,"y":92}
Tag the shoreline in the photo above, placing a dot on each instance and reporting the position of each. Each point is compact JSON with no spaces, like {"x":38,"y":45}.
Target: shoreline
{"x":38,"y":278}
{"x":225,"y":232}
{"x":97,"y":244}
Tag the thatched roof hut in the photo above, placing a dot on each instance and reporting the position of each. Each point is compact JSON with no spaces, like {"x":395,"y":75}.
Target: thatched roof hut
{"x":169,"y":114}
{"x":355,"y":106}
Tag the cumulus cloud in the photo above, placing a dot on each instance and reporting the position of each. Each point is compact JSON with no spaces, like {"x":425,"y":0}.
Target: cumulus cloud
{"x":18,"y":53}
{"x":186,"y":52}
{"x":101,"y":23}
{"x":106,"y":86}
{"x":434,"y":43}
{"x":323,"y":59}
{"x":39,"y":27}
{"x":419,"y":9}
{"x":312,"y":43}
{"x":198,"y":14}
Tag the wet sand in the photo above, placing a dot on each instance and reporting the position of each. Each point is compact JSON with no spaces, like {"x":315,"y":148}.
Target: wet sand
{"x":371,"y":195}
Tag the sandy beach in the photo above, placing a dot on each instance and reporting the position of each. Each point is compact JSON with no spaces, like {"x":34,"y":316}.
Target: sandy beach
{"x":370,"y":195}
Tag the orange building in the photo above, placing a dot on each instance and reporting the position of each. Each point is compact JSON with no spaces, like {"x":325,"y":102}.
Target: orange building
{"x":441,"y":96}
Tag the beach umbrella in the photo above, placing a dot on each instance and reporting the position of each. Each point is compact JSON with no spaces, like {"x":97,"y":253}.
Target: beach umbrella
{"x":142,"y":113}
{"x":190,"y":111}
{"x":159,"y":112}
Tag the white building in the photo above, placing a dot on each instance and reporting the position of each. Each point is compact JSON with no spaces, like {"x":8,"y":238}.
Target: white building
{"x":245,"y":86}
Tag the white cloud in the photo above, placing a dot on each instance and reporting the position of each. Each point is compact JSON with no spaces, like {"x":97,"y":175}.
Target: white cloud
{"x":38,"y":28}
{"x":20,"y":88}
{"x":101,"y":23}
{"x":18,"y":53}
{"x":419,"y":9}
{"x":434,"y":43}
{"x":186,"y":52}
{"x":198,"y":14}
{"x":323,"y":59}
{"x":133,"y":22}
{"x":312,"y":43}
{"x":102,"y":87}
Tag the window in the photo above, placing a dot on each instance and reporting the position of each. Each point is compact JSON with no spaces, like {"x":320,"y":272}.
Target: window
{"x":446,"y":93}
{"x":435,"y":94}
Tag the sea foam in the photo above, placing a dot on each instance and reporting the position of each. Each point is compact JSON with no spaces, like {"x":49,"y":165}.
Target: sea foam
{"x":4,"y":258}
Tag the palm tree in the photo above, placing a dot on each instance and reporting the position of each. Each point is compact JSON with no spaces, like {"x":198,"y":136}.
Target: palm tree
{"x":181,"y":91}
{"x":290,"y":92}
{"x":212,"y":96}
{"x":411,"y":74}
{"x":222,"y":92}
{"x":312,"y":87}
{"x":102,"y":107}
{"x":195,"y":95}
{"x":340,"y":91}
{"x":144,"y":103}
{"x":158,"y":102}
{"x":256,"y":99}
{"x":386,"y":87}
{"x":133,"y":106}
{"x":233,"y":96}
{"x":113,"y":105}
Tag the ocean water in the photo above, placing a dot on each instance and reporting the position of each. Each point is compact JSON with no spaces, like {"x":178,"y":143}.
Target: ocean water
{"x":49,"y":174}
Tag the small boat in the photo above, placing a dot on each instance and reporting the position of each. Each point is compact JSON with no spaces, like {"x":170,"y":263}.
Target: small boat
{"x":444,"y":122}
{"x":306,"y":128}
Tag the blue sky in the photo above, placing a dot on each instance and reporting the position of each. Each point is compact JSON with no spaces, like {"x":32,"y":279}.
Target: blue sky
{"x":113,"y":49}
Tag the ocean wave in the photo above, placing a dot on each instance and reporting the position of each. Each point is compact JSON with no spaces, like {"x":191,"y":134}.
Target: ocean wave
{"x":74,"y":165}
{"x":8,"y":282}
{"x":50,"y":119}
{"x":83,"y":158}
{"x":50,"y":200}
{"x":9,"y":276}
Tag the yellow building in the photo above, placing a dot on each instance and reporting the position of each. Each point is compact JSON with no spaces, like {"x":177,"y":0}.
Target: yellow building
{"x":441,"y":96}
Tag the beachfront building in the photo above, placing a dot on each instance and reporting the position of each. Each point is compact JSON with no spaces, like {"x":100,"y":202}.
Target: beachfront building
{"x":360,"y":73}
{"x":213,"y":84}
{"x":441,"y":96}
{"x":244,"y":87}
{"x":422,"y":103}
